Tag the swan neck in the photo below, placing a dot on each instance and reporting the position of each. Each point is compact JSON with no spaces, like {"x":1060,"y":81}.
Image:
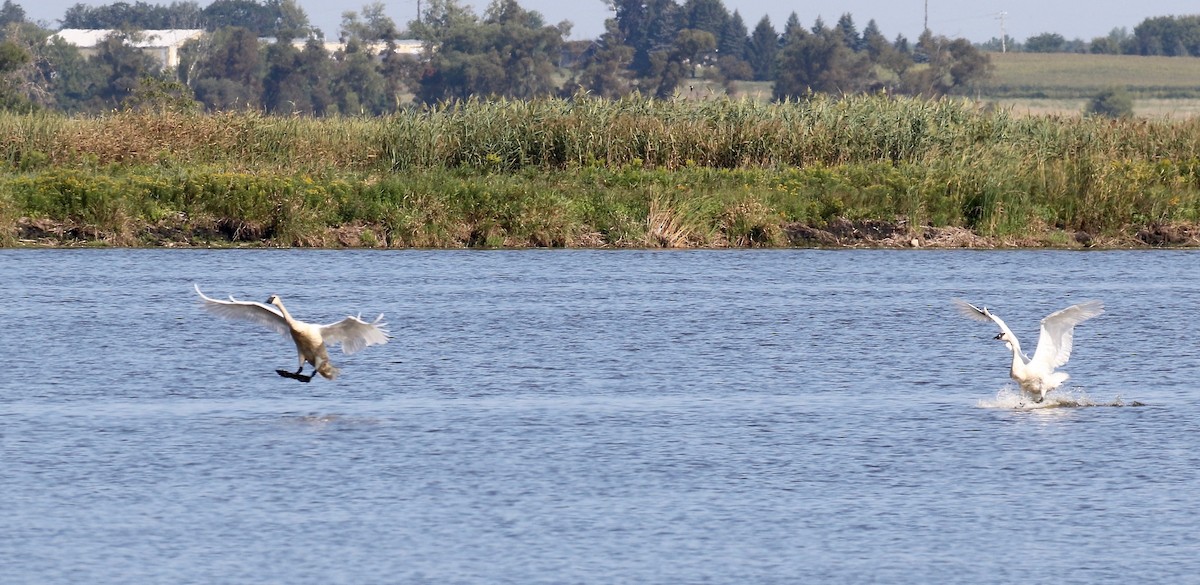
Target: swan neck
{"x":286,"y":316}
{"x":1018,"y":362}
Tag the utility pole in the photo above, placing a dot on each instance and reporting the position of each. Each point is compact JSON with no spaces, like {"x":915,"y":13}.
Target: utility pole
{"x":1003,"y":35}
{"x":926,"y":15}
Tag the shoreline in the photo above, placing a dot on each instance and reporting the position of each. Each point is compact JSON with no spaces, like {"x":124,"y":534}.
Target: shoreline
{"x":839,"y":234}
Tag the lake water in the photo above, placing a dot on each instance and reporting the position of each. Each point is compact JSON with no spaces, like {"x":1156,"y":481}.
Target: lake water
{"x":597,"y":417}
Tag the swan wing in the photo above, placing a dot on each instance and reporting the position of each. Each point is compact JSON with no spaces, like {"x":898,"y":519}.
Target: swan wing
{"x":354,"y":334}
{"x":1058,"y":333}
{"x":978,"y":314}
{"x":245,"y":311}
{"x":969,"y":310}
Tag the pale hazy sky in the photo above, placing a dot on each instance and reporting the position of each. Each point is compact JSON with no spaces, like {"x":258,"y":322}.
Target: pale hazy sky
{"x":977,"y":21}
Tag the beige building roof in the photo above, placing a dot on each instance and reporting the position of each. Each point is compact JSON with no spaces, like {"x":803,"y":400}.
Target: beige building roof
{"x":161,"y":44}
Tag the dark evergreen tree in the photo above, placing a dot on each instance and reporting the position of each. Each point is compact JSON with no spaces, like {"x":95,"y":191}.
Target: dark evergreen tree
{"x":792,"y":28}
{"x":762,"y":49}
{"x":648,"y":26}
{"x":733,"y":38}
{"x":11,"y":13}
{"x":705,"y":15}
{"x":820,"y":62}
{"x":732,"y":50}
{"x":605,"y":72}
{"x":845,"y":27}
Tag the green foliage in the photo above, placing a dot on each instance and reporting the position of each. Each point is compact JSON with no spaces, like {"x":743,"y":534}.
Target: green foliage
{"x":139,"y":15}
{"x":510,"y":52}
{"x":1111,"y":103}
{"x":1172,"y":36}
{"x":225,"y":70}
{"x":1045,"y":43}
{"x":632,"y":172}
{"x":761,"y":51}
{"x":820,"y":62}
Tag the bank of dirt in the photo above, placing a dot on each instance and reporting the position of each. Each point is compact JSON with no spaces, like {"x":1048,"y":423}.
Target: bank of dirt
{"x":836,"y":234}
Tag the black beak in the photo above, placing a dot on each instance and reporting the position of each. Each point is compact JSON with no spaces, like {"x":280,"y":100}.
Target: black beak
{"x":999,"y":336}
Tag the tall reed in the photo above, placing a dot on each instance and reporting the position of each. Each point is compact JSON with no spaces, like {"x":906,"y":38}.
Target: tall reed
{"x":621,"y":172}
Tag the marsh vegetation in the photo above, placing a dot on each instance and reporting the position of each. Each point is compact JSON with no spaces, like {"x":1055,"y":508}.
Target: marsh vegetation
{"x":859,"y":170}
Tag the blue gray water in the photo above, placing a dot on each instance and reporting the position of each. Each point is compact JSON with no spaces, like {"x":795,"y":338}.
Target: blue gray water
{"x":597,"y":417}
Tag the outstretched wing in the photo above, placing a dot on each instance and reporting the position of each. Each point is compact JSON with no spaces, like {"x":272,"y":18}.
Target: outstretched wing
{"x":245,"y":311}
{"x":355,"y":334}
{"x":969,"y":310}
{"x":1058,"y":332}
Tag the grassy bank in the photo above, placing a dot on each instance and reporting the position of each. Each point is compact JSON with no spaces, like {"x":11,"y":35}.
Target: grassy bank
{"x":598,"y":173}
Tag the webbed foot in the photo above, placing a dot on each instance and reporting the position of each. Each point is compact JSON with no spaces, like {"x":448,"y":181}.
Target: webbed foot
{"x":294,"y":375}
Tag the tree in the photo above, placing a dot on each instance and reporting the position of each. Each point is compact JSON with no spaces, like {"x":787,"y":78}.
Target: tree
{"x":11,"y":13}
{"x":1167,"y":35}
{"x":885,"y":55}
{"x":1045,"y":43}
{"x":731,"y":41}
{"x":13,"y":58}
{"x":705,"y":15}
{"x":297,"y":81}
{"x":669,"y":68}
{"x":605,"y":71}
{"x":820,"y":62}
{"x":122,"y":68}
{"x":373,"y":25}
{"x":762,"y":49}
{"x":792,"y":28}
{"x":225,"y":70}
{"x":275,"y":18}
{"x":511,"y":52}
{"x":1111,"y":103}
{"x":1113,"y":44}
{"x":845,"y":27}
{"x":358,"y":87}
{"x":139,"y":15}
{"x":732,"y":49}
{"x":950,"y":65}
{"x":649,"y":26}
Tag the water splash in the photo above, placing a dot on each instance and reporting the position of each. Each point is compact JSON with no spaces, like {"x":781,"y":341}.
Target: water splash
{"x":1011,"y":398}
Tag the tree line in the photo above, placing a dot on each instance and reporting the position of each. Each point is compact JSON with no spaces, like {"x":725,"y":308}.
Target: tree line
{"x":1169,"y":36}
{"x":266,"y":56}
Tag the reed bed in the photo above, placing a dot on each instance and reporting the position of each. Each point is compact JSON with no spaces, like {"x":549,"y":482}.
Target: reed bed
{"x":591,"y":172}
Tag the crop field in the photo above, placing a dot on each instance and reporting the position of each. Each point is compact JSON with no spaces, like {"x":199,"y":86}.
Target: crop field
{"x":1078,"y":76}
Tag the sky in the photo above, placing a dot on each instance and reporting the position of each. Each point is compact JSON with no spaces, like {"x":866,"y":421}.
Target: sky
{"x":974,"y":20}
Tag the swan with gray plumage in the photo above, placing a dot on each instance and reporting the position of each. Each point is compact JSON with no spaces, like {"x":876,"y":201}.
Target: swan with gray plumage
{"x":1038,"y":375}
{"x":352,"y":333}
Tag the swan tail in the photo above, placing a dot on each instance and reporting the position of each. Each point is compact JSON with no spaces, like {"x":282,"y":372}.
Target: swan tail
{"x":328,"y":371}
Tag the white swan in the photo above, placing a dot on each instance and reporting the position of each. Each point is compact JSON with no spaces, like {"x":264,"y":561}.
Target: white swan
{"x":1037,"y":376}
{"x":352,"y":332}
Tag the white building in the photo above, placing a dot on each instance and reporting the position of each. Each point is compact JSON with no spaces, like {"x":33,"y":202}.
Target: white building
{"x":163,"y":45}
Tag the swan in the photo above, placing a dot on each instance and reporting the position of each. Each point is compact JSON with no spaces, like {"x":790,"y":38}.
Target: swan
{"x":352,"y":333}
{"x":1037,"y":376}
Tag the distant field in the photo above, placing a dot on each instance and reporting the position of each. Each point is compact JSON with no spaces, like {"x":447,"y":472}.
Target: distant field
{"x":1179,"y":108}
{"x":1076,"y":76}
{"x":1059,"y":84}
